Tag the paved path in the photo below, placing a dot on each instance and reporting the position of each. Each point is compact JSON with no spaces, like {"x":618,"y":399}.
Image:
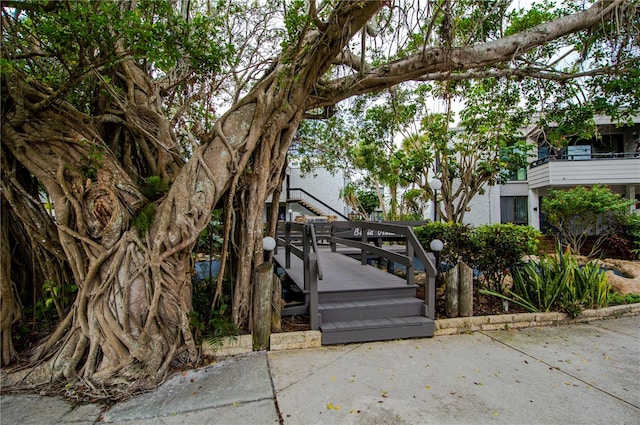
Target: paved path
{"x":575,"y":374}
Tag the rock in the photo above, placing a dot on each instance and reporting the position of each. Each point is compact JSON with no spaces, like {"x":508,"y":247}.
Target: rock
{"x":623,"y":285}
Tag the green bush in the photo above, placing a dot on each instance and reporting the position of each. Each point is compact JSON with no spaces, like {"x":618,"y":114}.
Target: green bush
{"x":457,"y":238}
{"x":492,"y":249}
{"x":557,"y":282}
{"x":501,"y":247}
{"x":631,"y":233}
{"x":580,"y":212}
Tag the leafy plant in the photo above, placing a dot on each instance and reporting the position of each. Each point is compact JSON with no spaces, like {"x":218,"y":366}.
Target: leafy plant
{"x":154,"y":187}
{"x":498,"y":248}
{"x":457,"y":238}
{"x":613,"y":298}
{"x":89,"y":166}
{"x":492,"y":249}
{"x":557,"y":282}
{"x":208,"y":323}
{"x":52,"y":303}
{"x":144,"y":219}
{"x":631,"y":234}
{"x":580,"y":212}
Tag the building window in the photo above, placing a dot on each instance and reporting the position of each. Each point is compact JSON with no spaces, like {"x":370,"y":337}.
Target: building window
{"x":519,"y":175}
{"x":514,"y":209}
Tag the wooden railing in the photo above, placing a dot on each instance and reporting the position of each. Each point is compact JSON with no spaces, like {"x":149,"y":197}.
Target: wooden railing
{"x":305,"y":234}
{"x":308,"y":235}
{"x":377,"y":232}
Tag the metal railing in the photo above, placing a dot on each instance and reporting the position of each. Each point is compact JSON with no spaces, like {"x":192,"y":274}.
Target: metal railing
{"x":584,"y":156}
{"x":299,"y":194}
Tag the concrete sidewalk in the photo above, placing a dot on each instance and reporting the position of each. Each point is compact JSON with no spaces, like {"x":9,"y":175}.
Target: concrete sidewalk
{"x":582,"y":374}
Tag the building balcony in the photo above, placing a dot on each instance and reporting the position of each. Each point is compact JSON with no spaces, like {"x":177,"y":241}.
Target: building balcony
{"x":584,"y":169}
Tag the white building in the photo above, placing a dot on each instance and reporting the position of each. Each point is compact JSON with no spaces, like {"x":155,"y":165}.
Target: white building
{"x":315,"y":194}
{"x":612,"y":159}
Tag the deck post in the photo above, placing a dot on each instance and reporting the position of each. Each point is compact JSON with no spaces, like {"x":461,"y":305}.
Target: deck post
{"x":262,"y":306}
{"x":465,"y":290}
{"x":363,"y":239}
{"x":287,"y":245}
{"x":430,"y":297}
{"x":410,"y":267}
{"x":314,"y":317}
{"x":306,"y":241}
{"x":332,"y":244}
{"x":451,"y":292}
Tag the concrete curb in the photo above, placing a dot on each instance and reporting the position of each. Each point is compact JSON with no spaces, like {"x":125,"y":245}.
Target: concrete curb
{"x":527,"y":320}
{"x":312,"y":339}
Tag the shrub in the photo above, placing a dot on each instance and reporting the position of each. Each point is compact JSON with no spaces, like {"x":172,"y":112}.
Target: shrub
{"x":457,"y":238}
{"x":580,"y":212}
{"x":631,"y":233}
{"x":498,"y":248}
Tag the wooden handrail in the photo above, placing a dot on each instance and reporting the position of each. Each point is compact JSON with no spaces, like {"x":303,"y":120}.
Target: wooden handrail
{"x":413,"y":249}
{"x":310,"y":257}
{"x":308,"y":252}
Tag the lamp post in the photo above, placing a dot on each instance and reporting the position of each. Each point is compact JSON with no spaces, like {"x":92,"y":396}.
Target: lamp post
{"x":436,"y":246}
{"x":268,"y":245}
{"x":436,"y":185}
{"x":290,"y":214}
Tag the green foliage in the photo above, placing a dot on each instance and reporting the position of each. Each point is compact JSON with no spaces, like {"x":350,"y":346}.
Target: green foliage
{"x":89,"y":166}
{"x":77,"y":37}
{"x":631,"y":233}
{"x":51,"y":303}
{"x":457,"y":237}
{"x":493,"y":250}
{"x":208,"y":322}
{"x":154,"y":187}
{"x":580,"y":212}
{"x":368,"y":199}
{"x":501,"y":247}
{"x":557,"y":282}
{"x":210,"y":241}
{"x":295,"y":20}
{"x":521,"y":20}
{"x":144,"y":219}
{"x":616,"y":299}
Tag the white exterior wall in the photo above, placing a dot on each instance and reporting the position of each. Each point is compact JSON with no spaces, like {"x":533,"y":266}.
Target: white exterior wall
{"x":321,"y":184}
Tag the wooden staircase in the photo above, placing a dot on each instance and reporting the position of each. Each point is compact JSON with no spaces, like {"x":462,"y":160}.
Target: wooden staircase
{"x":372,"y":315}
{"x":349,"y":300}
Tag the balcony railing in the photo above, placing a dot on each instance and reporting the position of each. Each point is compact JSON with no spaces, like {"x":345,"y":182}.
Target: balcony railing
{"x":581,"y":156}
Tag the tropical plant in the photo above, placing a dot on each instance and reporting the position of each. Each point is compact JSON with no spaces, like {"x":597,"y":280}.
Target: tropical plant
{"x":557,"y":282}
{"x":581,"y":212}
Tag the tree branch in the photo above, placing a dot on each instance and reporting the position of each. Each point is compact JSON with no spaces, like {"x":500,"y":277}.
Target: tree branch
{"x":437,"y":60}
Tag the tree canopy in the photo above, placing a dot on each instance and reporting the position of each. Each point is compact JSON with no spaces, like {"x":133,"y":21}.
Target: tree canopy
{"x":133,"y":120}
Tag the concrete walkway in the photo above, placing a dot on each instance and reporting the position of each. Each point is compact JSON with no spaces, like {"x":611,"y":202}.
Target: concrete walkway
{"x":573,"y":374}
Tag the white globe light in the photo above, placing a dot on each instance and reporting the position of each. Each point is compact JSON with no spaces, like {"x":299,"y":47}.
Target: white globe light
{"x":435,"y":184}
{"x":436,"y":245}
{"x":268,"y":244}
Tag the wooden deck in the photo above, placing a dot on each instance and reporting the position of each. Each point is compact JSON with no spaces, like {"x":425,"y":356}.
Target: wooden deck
{"x":357,"y":302}
{"x":341,"y":273}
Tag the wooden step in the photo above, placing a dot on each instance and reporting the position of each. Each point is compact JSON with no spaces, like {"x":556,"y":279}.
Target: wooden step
{"x":376,"y":329}
{"x":350,"y":293}
{"x":377,"y":308}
